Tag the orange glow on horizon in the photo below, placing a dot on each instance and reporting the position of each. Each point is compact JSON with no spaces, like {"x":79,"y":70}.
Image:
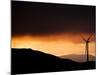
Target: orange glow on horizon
{"x":57,"y":45}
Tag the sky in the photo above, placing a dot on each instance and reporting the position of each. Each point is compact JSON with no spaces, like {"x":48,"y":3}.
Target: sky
{"x":53,"y":28}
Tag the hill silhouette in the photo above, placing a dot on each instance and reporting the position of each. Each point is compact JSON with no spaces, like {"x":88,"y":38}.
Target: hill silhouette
{"x":25,"y":61}
{"x":78,"y":58}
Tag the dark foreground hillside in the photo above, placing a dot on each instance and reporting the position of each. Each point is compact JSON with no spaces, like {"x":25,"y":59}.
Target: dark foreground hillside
{"x":30,"y":61}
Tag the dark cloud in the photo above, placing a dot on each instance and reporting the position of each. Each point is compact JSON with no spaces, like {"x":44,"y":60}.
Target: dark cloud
{"x":46,"y":19}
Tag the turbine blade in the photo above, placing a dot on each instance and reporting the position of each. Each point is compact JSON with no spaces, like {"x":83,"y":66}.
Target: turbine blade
{"x":90,"y":37}
{"x":82,"y":37}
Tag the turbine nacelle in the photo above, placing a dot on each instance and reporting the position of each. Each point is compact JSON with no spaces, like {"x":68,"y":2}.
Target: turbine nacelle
{"x":87,"y":41}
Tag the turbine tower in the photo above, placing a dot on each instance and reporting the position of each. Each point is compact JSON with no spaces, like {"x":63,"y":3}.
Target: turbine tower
{"x":87,"y":41}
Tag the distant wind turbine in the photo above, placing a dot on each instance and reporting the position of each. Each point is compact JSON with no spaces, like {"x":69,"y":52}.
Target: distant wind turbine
{"x":87,"y":41}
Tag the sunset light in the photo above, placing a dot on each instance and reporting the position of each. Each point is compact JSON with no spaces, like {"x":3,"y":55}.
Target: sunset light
{"x":57,"y":45}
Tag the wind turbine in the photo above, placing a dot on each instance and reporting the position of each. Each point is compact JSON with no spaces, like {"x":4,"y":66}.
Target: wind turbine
{"x":87,"y":41}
